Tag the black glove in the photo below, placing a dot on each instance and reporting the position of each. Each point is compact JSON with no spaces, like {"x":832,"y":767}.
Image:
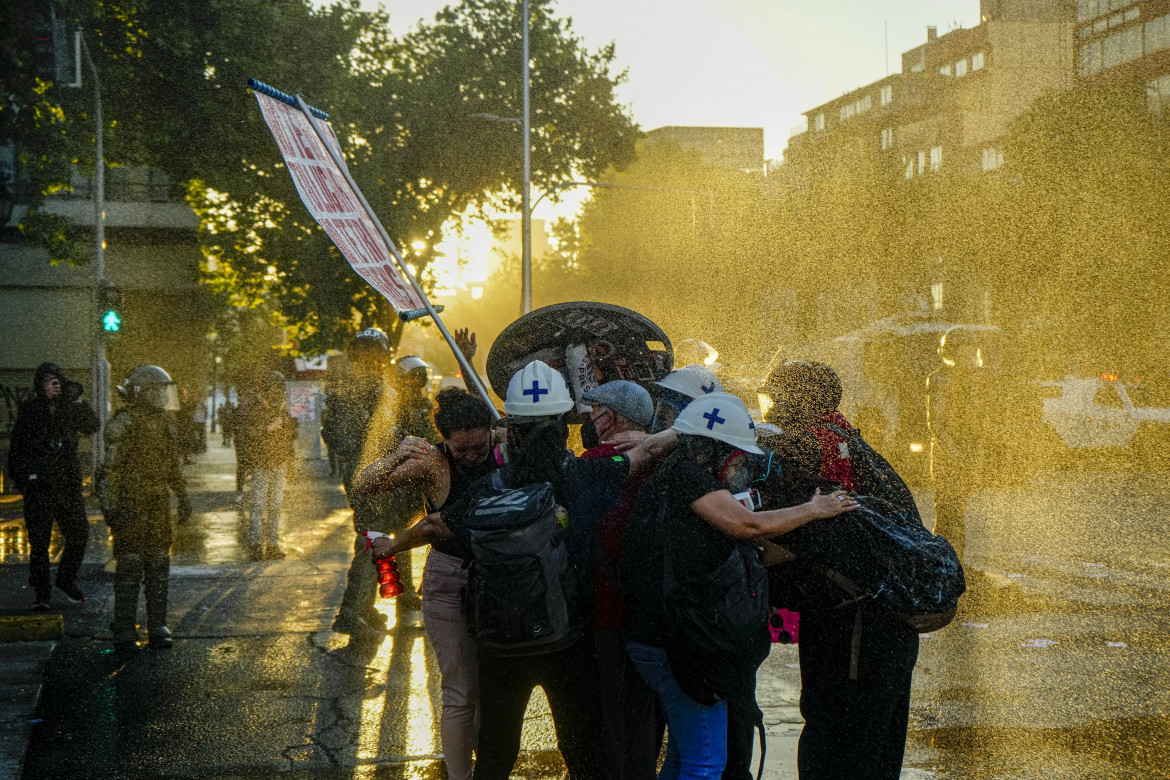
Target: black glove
{"x":71,"y":391}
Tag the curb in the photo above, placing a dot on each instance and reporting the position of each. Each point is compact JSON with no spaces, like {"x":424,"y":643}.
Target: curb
{"x":31,"y":628}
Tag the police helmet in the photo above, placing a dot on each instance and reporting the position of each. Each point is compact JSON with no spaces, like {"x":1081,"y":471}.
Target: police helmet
{"x":150,"y":386}
{"x":370,"y":340}
{"x":414,"y":366}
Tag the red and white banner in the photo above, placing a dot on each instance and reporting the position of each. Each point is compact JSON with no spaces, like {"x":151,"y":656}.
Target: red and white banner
{"x":327,"y":195}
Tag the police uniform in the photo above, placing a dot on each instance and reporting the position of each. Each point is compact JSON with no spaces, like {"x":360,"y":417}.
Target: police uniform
{"x":142,"y":470}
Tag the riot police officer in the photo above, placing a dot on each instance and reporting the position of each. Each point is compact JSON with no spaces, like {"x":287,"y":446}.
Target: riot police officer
{"x":365,"y":420}
{"x":140,"y":473}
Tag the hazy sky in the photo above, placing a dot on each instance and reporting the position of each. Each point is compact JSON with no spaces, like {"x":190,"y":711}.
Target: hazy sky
{"x":746,"y":63}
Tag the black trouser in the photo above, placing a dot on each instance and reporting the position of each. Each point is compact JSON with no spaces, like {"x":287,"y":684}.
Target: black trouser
{"x":67,"y":508}
{"x":142,"y":542}
{"x":743,"y":715}
{"x":854,"y":729}
{"x":569,"y":679}
{"x":629,"y":730}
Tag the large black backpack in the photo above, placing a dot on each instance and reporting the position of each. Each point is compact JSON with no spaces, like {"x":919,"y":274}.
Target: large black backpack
{"x":882,"y":553}
{"x":522,"y":595}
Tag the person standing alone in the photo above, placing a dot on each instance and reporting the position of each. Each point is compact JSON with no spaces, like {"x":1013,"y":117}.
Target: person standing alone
{"x":43,"y":461}
{"x":271,"y":431}
{"x":141,"y":471}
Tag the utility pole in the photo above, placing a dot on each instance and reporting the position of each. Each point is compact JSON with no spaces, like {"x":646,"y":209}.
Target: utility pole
{"x":525,"y":209}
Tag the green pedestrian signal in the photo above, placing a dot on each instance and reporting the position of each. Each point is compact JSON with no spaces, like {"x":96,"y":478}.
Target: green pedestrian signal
{"x":111,"y":322}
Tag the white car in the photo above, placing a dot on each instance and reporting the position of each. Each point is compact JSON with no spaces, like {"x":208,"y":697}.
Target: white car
{"x":1098,"y":412}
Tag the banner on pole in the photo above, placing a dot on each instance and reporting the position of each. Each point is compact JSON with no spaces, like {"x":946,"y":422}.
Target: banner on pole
{"x":327,"y":196}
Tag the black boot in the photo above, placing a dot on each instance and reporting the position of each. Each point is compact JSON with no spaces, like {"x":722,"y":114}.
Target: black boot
{"x":156,"y":586}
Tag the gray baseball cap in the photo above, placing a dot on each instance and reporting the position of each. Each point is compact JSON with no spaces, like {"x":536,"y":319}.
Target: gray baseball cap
{"x":628,"y":399}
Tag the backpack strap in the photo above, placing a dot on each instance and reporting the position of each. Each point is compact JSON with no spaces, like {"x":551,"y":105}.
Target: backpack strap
{"x":857,"y":598}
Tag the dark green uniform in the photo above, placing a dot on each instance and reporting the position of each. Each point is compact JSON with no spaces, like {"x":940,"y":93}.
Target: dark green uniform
{"x":142,"y":470}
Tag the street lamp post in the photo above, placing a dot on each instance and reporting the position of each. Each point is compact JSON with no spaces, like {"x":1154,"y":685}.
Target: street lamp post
{"x":525,"y":208}
{"x":100,"y":377}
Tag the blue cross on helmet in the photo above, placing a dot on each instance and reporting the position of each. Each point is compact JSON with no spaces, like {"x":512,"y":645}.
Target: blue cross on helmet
{"x":719,"y":416}
{"x":537,"y":390}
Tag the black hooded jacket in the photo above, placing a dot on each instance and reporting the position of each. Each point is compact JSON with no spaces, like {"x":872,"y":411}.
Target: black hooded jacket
{"x":43,"y":454}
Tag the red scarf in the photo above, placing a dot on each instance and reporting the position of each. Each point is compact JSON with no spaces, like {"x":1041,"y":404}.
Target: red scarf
{"x":835,"y":463}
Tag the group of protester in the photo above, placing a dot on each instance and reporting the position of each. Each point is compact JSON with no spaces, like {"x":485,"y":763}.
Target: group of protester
{"x":628,"y":582}
{"x":662,"y":527}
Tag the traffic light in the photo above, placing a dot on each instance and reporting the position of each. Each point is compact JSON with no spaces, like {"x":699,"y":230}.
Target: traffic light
{"x":110,"y":309}
{"x":56,"y":53}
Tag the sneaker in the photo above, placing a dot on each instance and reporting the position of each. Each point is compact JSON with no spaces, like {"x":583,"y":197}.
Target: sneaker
{"x":72,"y":592}
{"x":40,"y":605}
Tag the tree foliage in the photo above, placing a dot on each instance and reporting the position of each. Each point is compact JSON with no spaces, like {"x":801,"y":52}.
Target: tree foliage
{"x":404,"y":106}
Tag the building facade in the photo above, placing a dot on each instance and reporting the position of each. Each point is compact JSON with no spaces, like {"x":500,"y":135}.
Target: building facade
{"x":51,"y":312}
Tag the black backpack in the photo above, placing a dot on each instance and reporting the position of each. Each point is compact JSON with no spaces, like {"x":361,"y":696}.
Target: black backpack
{"x":716,"y":624}
{"x":523,"y":592}
{"x":882,"y":553}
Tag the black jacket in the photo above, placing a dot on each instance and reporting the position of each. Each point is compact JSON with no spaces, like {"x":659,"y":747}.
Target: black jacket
{"x":43,"y":453}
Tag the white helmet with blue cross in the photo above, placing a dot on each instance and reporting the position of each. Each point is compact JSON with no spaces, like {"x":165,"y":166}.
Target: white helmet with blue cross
{"x":537,"y":390}
{"x":719,"y":416}
{"x":694,"y":381}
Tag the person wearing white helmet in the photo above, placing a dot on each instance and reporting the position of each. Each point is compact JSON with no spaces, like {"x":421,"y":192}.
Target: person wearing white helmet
{"x":688,"y":503}
{"x":674,"y":391}
{"x":536,"y":452}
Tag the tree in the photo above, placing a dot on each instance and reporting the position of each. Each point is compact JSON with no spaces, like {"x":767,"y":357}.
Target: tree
{"x":403,"y":106}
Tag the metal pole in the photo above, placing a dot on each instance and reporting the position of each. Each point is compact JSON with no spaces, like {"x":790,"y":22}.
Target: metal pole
{"x":100,"y":377}
{"x":525,"y":209}
{"x":464,"y":363}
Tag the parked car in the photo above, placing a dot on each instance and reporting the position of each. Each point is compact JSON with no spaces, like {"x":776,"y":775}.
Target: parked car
{"x":1102,"y":412}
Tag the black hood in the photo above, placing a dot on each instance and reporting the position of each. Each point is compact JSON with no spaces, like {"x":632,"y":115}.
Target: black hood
{"x":45,"y":370}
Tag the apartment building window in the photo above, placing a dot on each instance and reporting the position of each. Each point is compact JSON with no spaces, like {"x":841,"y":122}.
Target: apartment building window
{"x":921,"y":163}
{"x":856,"y":107}
{"x":1089,"y":58}
{"x":909,"y":163}
{"x":1157,"y":34}
{"x":945,"y":69}
{"x":1133,"y":13}
{"x":977,"y":61}
{"x":1158,"y":95}
{"x":1121,"y":47}
{"x":887,"y":138}
{"x":935,"y":158}
{"x":887,"y":95}
{"x":992,"y":159}
{"x":819,"y":122}
{"x":936,"y":296}
{"x":961,"y":67}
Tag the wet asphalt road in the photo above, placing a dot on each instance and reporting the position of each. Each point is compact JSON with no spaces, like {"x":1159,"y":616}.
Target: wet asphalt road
{"x":257,"y":685}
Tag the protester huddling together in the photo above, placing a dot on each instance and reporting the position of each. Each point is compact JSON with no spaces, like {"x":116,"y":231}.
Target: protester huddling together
{"x":635,"y":583}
